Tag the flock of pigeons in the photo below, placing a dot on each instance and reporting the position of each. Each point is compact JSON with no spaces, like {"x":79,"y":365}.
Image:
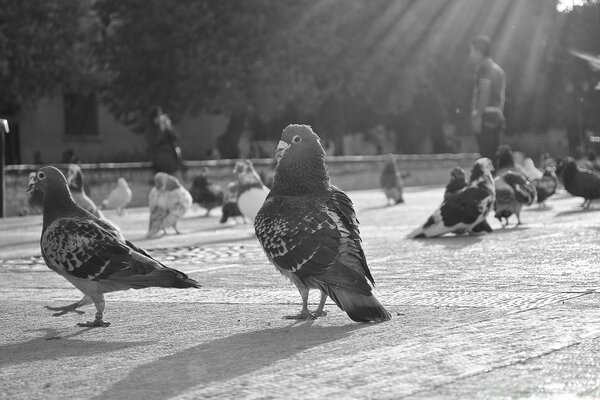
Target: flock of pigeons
{"x":306,"y":226}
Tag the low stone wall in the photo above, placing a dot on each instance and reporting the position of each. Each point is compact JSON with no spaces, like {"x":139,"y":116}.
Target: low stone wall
{"x":347,"y":172}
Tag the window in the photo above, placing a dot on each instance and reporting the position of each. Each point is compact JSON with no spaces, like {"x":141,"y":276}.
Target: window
{"x":81,"y":115}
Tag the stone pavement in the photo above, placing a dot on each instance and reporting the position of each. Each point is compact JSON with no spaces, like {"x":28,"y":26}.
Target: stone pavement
{"x":512,"y":314}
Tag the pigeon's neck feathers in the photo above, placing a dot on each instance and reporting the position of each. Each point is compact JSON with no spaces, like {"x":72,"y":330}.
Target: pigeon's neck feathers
{"x":58,"y":203}
{"x":302,"y":177}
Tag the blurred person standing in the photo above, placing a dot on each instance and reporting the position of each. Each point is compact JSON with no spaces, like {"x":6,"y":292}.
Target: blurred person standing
{"x":487,"y":106}
{"x":165,"y":153}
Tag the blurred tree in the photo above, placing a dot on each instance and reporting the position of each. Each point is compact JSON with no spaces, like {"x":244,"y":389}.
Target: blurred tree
{"x":39,"y":52}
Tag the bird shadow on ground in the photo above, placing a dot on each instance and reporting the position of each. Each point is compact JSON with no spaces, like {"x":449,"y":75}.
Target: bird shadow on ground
{"x":452,"y":242}
{"x":577,"y":210}
{"x":540,"y":208}
{"x":222,"y":359}
{"x":510,"y":228}
{"x":52,"y":346}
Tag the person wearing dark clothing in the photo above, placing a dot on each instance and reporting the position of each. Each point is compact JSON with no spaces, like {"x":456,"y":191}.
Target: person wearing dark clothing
{"x":164,"y":150}
{"x":487,"y":107}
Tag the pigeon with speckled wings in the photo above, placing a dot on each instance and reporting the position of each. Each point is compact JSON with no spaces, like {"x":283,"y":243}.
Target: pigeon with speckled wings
{"x":91,"y":253}
{"x":309,"y":231}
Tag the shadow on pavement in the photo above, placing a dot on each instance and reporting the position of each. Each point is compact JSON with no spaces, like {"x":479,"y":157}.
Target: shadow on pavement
{"x":222,"y":359}
{"x":452,"y":242}
{"x":53,"y":346}
{"x":577,"y":210}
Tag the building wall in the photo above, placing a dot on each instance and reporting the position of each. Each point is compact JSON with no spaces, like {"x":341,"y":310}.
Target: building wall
{"x":42,"y":129}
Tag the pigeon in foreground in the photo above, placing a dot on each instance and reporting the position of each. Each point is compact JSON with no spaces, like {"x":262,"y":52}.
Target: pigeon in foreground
{"x":230,"y":207}
{"x":91,"y":253}
{"x":513,"y":191}
{"x":546,"y":186}
{"x":467,"y":210}
{"x":392,"y":181}
{"x":168,"y":201}
{"x":207,"y":195}
{"x":578,"y":181}
{"x":458,"y":181}
{"x":251,"y":190}
{"x":75,"y":182}
{"x":309,"y":231}
{"x":119,"y":197}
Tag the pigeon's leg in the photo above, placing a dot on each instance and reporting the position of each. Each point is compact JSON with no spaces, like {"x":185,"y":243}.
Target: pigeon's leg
{"x":319,"y":311}
{"x":207,"y":213}
{"x":85,"y":300}
{"x":98,"y":322}
{"x":176,"y":230}
{"x":304,"y":313}
{"x":518,"y":219}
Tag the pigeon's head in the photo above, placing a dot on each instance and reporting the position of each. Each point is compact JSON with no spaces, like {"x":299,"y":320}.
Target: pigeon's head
{"x":164,"y":181}
{"x":45,"y":178}
{"x":564,"y":163}
{"x":74,"y":177}
{"x":122,"y":182}
{"x":458,"y":174}
{"x":298,"y":143}
{"x":243,"y":166}
{"x":482,"y":169}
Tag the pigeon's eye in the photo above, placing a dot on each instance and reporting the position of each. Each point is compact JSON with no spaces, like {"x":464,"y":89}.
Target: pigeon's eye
{"x":41,"y":175}
{"x":296,"y":139}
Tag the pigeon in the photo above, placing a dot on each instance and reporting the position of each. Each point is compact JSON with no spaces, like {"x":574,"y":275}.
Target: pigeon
{"x":207,"y":194}
{"x":458,"y":181}
{"x":35,"y":198}
{"x":513,"y":191}
{"x":119,"y":197}
{"x":91,"y":253}
{"x":168,"y":201}
{"x":391,"y":181}
{"x":505,"y":161}
{"x":546,"y":186}
{"x":251,"y":190}
{"x":309,"y":231}
{"x":467,"y":210}
{"x":230,"y":207}
{"x":75,"y":182}
{"x":530,"y":170}
{"x":578,"y":181}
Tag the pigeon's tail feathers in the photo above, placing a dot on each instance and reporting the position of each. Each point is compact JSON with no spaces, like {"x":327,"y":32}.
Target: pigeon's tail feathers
{"x":359,"y":307}
{"x":434,"y":226}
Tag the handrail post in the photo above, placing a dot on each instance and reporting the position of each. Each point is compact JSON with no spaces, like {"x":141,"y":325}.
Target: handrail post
{"x":3,"y":131}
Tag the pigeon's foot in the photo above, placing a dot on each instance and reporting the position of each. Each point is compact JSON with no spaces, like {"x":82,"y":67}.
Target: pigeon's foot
{"x":97,"y":323}
{"x":321,"y":313}
{"x":65,"y":309}
{"x":304,"y":314}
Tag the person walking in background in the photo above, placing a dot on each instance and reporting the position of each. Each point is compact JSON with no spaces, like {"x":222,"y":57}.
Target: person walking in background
{"x":487,"y":107}
{"x":165,"y":153}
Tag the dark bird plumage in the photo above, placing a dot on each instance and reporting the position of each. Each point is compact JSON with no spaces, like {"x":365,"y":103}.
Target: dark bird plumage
{"x":206,"y":194}
{"x":546,"y":186}
{"x":90,"y":252}
{"x":578,"y":181}
{"x":392,"y":181}
{"x":466,"y":211}
{"x":513,"y":191}
{"x":75,"y":182}
{"x":505,"y":161}
{"x":458,"y":181}
{"x":230,"y":208}
{"x":309,"y":231}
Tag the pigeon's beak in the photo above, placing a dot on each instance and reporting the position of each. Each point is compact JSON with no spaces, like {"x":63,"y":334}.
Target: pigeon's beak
{"x":31,"y":184}
{"x":281,"y":148}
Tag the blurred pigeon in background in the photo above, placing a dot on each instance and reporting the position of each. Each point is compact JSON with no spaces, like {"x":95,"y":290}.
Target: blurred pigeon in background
{"x":251,"y":190}
{"x":75,"y":182}
{"x":505,"y":161}
{"x":546,"y":186}
{"x":119,"y":197}
{"x":91,"y":253}
{"x":309,"y":231}
{"x":392,"y":181}
{"x":513,"y":191}
{"x":530,"y":170}
{"x":458,"y":181}
{"x":168,"y":201}
{"x":467,"y":210}
{"x":578,"y":181}
{"x":206,"y":194}
{"x":230,"y":207}
{"x":35,"y":198}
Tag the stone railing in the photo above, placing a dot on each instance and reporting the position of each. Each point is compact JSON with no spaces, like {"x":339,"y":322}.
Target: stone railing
{"x":347,"y":172}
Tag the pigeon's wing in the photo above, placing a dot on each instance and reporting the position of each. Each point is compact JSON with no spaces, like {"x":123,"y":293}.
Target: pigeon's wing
{"x":178,"y":201}
{"x":465,"y":206}
{"x":313,"y":239}
{"x":80,"y":248}
{"x":525,"y":192}
{"x":588,"y":183}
